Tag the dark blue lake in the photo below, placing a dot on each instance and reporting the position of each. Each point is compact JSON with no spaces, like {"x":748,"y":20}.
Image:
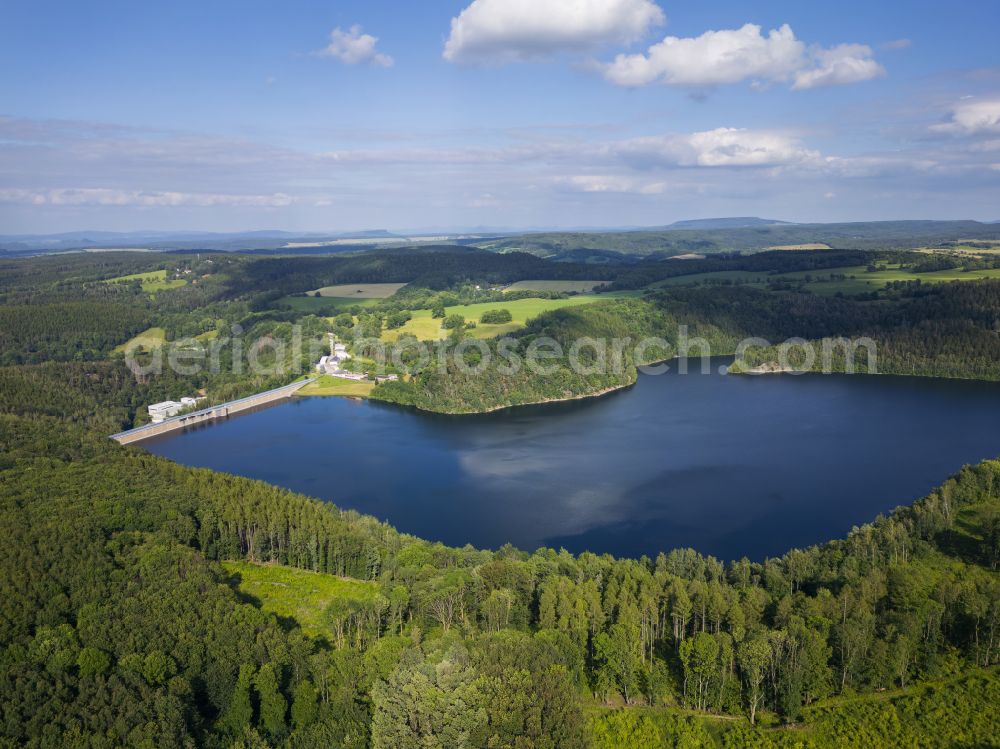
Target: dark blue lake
{"x":729,"y":465}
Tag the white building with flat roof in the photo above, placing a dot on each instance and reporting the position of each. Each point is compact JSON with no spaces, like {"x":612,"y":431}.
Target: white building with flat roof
{"x":160,"y":411}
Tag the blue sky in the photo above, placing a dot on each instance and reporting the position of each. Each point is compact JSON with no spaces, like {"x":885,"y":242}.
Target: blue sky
{"x":319,"y":116}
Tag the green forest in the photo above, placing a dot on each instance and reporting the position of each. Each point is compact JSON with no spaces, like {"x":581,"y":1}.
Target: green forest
{"x":125,"y":619}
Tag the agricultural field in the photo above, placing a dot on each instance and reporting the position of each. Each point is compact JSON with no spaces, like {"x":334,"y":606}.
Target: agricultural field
{"x":427,"y":328}
{"x":806,"y":246}
{"x":299,"y":594}
{"x":566,"y":287}
{"x":147,"y":340}
{"x":359,"y":290}
{"x":152,"y":281}
{"x":334,"y":299}
{"x":326,"y":385}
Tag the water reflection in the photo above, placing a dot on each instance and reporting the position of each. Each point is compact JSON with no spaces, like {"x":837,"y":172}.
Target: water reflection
{"x":728,"y":465}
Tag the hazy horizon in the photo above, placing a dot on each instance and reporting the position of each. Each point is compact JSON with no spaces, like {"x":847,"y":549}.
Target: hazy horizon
{"x":450,"y":230}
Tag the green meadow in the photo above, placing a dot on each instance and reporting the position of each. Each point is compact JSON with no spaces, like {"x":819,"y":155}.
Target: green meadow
{"x":359,"y":290}
{"x":147,"y":340}
{"x":326,"y":385}
{"x":427,"y":328}
{"x":330,"y":300}
{"x":297,"y":594}
{"x":152,"y":281}
{"x":312,"y":305}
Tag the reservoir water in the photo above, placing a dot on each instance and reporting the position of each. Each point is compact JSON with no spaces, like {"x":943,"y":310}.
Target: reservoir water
{"x":728,"y":465}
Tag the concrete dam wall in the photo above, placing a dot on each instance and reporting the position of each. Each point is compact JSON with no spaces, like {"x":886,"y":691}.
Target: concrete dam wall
{"x":211,"y":413}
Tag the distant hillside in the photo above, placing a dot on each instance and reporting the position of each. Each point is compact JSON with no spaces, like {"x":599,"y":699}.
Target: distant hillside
{"x":699,"y":236}
{"x":739,"y":222}
{"x":874,"y":235}
{"x":267,"y":239}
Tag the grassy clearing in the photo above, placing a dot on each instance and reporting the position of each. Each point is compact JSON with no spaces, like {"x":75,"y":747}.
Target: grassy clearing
{"x":360,"y":290}
{"x":209,"y":335}
{"x":295,"y":593}
{"x":152,"y":281}
{"x":326,"y":385}
{"x":426,"y":328}
{"x":566,"y":287}
{"x":147,"y":340}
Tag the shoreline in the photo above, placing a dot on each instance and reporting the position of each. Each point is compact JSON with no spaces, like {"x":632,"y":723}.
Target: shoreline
{"x":582,"y":396}
{"x":495,"y":409}
{"x":771,"y":368}
{"x":763,"y":369}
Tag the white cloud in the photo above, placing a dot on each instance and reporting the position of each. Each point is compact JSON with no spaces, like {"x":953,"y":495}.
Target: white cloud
{"x":577,"y":176}
{"x":838,"y":66}
{"x":138,"y":198}
{"x":502,"y":31}
{"x":722,"y":147}
{"x":714,"y":58}
{"x":352,"y":47}
{"x":898,"y":44}
{"x":973,"y":116}
{"x":609,"y":183}
{"x":734,"y":55}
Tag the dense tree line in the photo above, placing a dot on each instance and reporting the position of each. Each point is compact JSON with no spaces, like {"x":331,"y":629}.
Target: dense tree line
{"x":775,"y":262}
{"x":939,"y":330}
{"x":67,"y":331}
